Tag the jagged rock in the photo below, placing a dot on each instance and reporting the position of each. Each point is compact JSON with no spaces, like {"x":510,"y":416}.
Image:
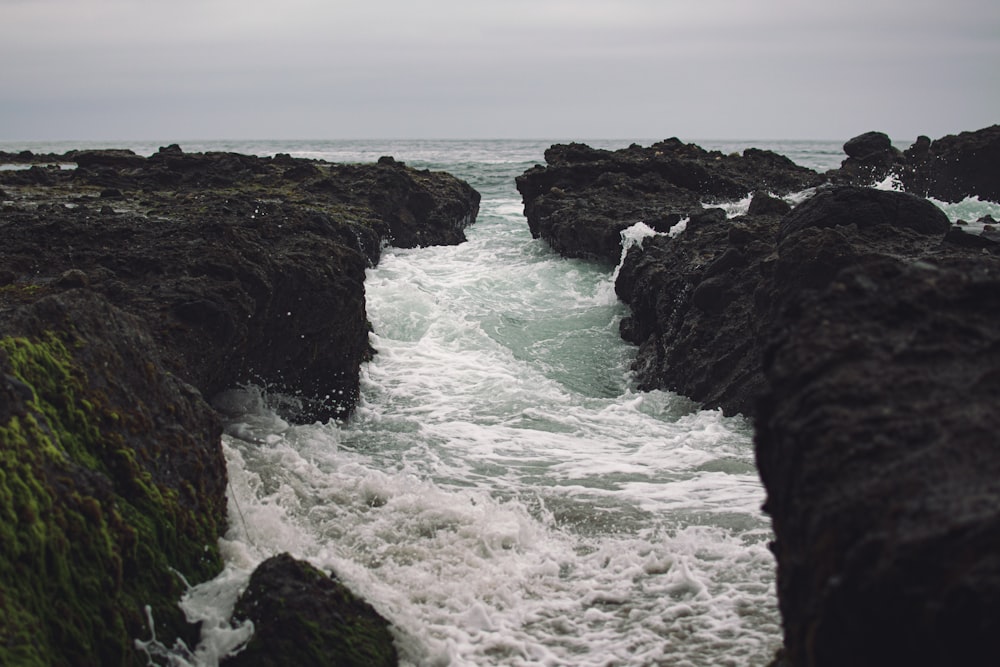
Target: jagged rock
{"x":956,"y":166}
{"x":585,"y":197}
{"x":261,"y":283}
{"x":876,"y":443}
{"x":950,"y":168}
{"x":700,"y":302}
{"x":694,"y":311}
{"x":303,"y":617}
{"x":860,"y":330}
{"x":113,"y":329}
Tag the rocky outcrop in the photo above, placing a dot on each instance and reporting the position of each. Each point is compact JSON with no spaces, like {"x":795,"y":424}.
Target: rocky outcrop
{"x":582,"y":200}
{"x":698,"y":300}
{"x":875,"y":436}
{"x":861,"y":331}
{"x":304,"y":617}
{"x":112,"y":488}
{"x":247,"y":269}
{"x":694,"y":314}
{"x":949,"y":169}
{"x":131,"y":289}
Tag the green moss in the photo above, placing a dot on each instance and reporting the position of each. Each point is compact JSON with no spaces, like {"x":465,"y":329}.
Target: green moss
{"x":87,"y":537}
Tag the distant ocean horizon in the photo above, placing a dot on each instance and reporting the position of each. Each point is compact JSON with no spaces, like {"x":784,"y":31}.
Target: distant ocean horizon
{"x":819,"y":154}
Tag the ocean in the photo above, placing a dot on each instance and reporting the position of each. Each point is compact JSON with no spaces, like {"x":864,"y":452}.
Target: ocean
{"x":503,"y":494}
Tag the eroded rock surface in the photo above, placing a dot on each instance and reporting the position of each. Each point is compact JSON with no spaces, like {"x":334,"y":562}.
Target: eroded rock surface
{"x":583,"y":198}
{"x":132,"y":289}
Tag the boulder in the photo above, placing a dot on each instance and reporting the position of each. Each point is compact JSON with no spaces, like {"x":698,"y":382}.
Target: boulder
{"x":303,"y":617}
{"x":871,"y":158}
{"x":869,"y":143}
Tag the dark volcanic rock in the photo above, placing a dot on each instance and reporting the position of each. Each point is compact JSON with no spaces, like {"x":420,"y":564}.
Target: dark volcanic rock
{"x":701,"y":301}
{"x":303,"y":617}
{"x":130,"y":289}
{"x":869,"y":143}
{"x":956,"y":166}
{"x":112,"y":487}
{"x":861,"y":331}
{"x":693,"y":308}
{"x":243,"y":275}
{"x":874,"y":434}
{"x":950,"y":169}
{"x":876,"y":441}
{"x":585,"y":197}
{"x":871,"y":157}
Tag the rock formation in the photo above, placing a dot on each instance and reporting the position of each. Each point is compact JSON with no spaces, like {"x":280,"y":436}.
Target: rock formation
{"x":131,"y":289}
{"x":582,"y":200}
{"x":304,"y":617}
{"x":860,"y":330}
{"x":874,"y":434}
{"x":950,"y":169}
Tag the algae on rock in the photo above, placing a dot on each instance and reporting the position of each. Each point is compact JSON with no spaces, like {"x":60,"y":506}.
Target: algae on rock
{"x":99,"y":518}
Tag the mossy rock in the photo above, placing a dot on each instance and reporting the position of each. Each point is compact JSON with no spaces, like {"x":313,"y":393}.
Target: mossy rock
{"x":303,"y":617}
{"x":112,"y":488}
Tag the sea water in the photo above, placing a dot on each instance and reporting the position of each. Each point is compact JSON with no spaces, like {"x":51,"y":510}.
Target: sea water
{"x":503,"y":495}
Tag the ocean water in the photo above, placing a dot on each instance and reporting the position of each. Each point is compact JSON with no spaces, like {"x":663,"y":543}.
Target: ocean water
{"x":503,"y":495}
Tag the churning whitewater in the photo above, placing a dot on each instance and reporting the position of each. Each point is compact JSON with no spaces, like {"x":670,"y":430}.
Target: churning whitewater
{"x":503,"y":495}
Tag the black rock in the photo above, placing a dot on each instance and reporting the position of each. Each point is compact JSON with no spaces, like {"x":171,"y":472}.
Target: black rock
{"x":303,"y":617}
{"x":869,"y":143}
{"x":582,"y":201}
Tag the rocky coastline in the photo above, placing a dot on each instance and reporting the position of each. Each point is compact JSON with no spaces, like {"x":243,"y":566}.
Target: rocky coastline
{"x":859,"y":330}
{"x":132,"y":290}
{"x":856,"y":327}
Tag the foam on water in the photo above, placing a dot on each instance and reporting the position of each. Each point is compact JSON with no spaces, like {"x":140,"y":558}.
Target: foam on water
{"x":502,"y":495}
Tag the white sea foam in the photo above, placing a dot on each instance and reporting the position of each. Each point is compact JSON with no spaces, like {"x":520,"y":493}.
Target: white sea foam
{"x":733,"y":208}
{"x":970,"y":210}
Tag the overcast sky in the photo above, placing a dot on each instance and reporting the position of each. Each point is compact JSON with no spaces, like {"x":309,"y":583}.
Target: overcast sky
{"x":330,"y":69}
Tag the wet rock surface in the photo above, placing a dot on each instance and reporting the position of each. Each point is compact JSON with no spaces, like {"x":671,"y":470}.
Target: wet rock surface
{"x":584,"y":197}
{"x":248,"y":269}
{"x":131,"y":290}
{"x":112,"y":486}
{"x":873,"y":434}
{"x":304,"y":617}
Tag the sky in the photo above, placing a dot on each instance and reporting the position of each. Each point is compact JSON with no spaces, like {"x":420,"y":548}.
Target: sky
{"x":567,"y":69}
